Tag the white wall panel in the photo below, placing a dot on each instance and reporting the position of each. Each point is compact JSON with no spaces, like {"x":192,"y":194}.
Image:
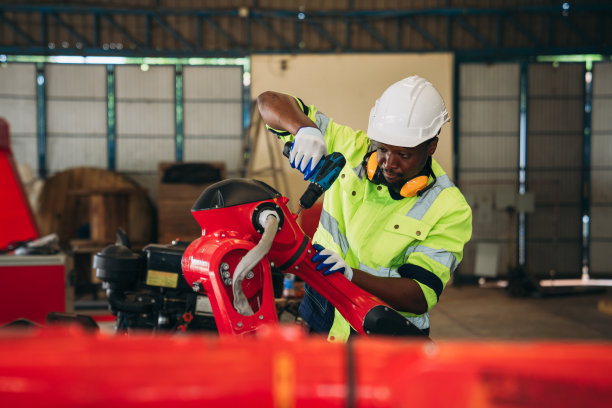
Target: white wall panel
{"x":18,"y":108}
{"x":213,"y":82}
{"x":143,"y":154}
{"x":213,"y":115}
{"x":140,"y":119}
{"x":487,"y":80}
{"x":555,"y":121}
{"x":156,"y":84}
{"x":67,"y":152}
{"x":76,"y":116}
{"x":145,"y":122}
{"x":600,"y":121}
{"x":213,"y":119}
{"x":198,"y":150}
{"x":555,"y":113}
{"x":601,"y":171}
{"x":489,"y":116}
{"x":601,"y":222}
{"x":73,"y":80}
{"x":601,"y":187}
{"x":601,"y":261}
{"x":500,"y":152}
{"x":488,"y":155}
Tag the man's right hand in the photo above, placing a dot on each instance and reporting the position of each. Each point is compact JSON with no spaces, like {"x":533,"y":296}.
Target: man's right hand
{"x":308,"y":149}
{"x":330,"y":262}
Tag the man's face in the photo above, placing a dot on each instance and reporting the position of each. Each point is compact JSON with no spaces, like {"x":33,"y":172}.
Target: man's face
{"x":400,"y":164}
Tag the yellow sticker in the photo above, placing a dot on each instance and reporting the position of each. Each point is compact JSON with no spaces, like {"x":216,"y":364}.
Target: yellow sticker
{"x":160,"y":278}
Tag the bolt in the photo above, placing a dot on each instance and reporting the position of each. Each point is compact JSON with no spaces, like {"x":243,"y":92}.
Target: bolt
{"x":239,"y":324}
{"x":250,"y":275}
{"x":197,"y":286}
{"x":310,"y":251}
{"x":224,"y":267}
{"x":228,"y":282}
{"x":386,"y":309}
{"x":260,"y":317}
{"x":296,"y":267}
{"x":367,"y":332}
{"x":226,"y":274}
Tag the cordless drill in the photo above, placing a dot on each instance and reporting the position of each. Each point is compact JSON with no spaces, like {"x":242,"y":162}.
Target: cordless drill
{"x":324,"y":175}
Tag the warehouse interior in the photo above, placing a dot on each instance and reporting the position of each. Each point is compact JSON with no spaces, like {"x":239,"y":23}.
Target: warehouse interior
{"x":120,"y":114}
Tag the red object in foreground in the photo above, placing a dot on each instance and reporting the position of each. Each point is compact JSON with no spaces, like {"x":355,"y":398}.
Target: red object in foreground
{"x":16,"y":220}
{"x":60,"y":367}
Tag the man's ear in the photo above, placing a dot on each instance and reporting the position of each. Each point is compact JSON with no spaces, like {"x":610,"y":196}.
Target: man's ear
{"x":431,"y":148}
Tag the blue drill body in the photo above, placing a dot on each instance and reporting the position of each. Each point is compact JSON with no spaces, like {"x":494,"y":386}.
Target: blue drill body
{"x":327,"y":171}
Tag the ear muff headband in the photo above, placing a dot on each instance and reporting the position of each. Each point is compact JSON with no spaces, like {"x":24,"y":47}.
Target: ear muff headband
{"x":410,"y":189}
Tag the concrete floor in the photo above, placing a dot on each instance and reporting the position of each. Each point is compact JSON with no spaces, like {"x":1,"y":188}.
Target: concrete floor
{"x":475,"y":313}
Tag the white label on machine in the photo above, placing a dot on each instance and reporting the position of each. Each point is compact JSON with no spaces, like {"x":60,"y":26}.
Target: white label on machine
{"x":203,"y":306}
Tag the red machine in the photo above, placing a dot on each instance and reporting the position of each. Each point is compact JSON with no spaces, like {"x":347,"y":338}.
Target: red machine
{"x":224,"y":279}
{"x":16,"y":219}
{"x":246,"y":221}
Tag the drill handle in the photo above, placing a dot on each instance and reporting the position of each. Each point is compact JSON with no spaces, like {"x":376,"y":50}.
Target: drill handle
{"x":287,"y":149}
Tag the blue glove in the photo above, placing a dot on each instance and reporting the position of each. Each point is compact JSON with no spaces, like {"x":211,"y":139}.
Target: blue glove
{"x":308,"y":149}
{"x":330,"y":262}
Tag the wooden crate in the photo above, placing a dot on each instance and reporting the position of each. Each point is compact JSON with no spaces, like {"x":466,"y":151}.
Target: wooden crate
{"x":174,"y":203}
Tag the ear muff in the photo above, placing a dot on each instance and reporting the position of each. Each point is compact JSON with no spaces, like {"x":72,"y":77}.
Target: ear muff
{"x":410,"y":189}
{"x":372,"y":166}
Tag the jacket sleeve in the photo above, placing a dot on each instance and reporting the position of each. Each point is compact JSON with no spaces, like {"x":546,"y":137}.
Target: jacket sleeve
{"x":432,"y":262}
{"x":339,"y":138}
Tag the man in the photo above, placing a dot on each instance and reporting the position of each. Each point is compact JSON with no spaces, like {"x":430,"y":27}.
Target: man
{"x":393,"y":222}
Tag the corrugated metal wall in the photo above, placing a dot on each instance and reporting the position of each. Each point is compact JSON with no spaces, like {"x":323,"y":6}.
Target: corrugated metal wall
{"x":145,"y":121}
{"x":488,"y":160}
{"x":76,"y":116}
{"x":145,"y":111}
{"x":18,"y":107}
{"x":555,"y":123}
{"x":213,"y":111}
{"x":601,"y":171}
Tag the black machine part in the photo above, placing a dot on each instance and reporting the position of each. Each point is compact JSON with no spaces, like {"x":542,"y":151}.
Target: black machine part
{"x":117,"y":264}
{"x":269,"y":207}
{"x":384,"y":320}
{"x":119,"y":269}
{"x":165,"y":261}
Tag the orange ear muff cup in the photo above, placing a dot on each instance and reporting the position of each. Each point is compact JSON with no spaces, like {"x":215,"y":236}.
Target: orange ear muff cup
{"x":412,"y":187}
{"x":372,"y":165}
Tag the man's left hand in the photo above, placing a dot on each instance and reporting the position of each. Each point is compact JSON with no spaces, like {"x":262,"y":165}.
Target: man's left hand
{"x":330,"y":262}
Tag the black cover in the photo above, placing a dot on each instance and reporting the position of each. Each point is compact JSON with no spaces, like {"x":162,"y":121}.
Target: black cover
{"x":117,"y":263}
{"x":191,"y":173}
{"x":232,"y":192}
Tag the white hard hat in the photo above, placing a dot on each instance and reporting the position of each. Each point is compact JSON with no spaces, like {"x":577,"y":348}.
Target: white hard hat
{"x":408,"y":113}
